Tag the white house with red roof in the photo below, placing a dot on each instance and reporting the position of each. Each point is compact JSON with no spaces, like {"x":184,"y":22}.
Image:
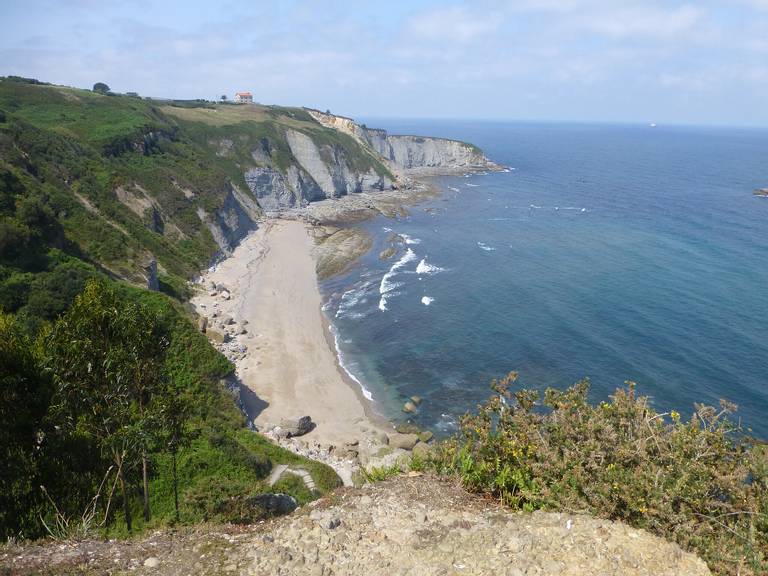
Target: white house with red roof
{"x":243,"y":98}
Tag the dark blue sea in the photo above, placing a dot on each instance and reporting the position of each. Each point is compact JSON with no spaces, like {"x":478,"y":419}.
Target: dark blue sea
{"x":614,"y":252}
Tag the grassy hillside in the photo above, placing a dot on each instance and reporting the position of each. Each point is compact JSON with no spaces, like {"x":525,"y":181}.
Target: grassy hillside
{"x":126,"y":177}
{"x":90,"y":186}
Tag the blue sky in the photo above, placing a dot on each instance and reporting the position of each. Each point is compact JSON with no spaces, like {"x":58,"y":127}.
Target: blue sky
{"x":702,"y":62}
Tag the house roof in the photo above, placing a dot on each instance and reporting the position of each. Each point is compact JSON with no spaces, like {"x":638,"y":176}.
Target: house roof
{"x":243,"y":94}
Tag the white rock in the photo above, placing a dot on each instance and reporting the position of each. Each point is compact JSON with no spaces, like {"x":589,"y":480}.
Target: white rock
{"x":152,"y":562}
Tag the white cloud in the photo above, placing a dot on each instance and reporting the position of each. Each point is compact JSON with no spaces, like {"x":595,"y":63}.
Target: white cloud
{"x":455,"y":23}
{"x":759,"y":4}
{"x":641,"y":20}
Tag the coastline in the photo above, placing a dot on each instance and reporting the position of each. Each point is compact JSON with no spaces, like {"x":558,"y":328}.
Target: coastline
{"x":264,"y":305}
{"x":261,"y":306}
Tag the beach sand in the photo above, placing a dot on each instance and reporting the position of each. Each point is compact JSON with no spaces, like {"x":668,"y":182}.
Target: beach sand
{"x":290,"y":364}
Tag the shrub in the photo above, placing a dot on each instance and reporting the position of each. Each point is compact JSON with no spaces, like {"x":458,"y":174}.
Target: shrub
{"x":695,"y":482}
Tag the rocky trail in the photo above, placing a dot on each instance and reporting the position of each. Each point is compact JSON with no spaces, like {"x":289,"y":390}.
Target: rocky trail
{"x":414,"y":525}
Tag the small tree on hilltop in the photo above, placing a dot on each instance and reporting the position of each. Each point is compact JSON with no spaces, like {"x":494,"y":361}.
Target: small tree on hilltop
{"x":101,"y":88}
{"x":223,"y":97}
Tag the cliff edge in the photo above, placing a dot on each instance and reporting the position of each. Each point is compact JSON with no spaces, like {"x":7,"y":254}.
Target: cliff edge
{"x":409,"y":525}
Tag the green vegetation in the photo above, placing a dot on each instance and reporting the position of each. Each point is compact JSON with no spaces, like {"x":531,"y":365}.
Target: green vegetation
{"x":117,"y":420}
{"x":114,"y":406}
{"x":699,"y":482}
{"x":118,"y":177}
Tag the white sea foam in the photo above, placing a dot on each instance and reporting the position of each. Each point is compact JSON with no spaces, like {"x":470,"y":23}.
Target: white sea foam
{"x":350,"y":299}
{"x":387,"y":229}
{"x":453,"y":189}
{"x":366,"y":393}
{"x":427,"y":300}
{"x":447,"y":423}
{"x":485,"y":247}
{"x":472,"y":185}
{"x":425,"y":268}
{"x":410,"y":240}
{"x":387,"y":284}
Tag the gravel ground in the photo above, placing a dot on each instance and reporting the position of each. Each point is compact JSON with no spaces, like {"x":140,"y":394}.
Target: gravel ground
{"x":406,"y":526}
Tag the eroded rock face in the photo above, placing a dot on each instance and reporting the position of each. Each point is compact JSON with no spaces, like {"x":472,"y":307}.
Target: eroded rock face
{"x":270,"y":188}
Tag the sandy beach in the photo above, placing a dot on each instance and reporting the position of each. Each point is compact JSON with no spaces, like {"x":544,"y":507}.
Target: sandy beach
{"x":268,"y":289}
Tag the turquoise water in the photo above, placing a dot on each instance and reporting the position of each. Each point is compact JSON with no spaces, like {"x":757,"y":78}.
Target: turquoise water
{"x":611,"y":252}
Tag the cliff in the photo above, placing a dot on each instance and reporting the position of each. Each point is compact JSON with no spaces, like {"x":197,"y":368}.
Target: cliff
{"x":130,"y":179}
{"x":411,"y":155}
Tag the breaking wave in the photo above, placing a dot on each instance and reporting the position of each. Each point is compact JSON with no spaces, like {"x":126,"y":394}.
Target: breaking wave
{"x":426,"y":268}
{"x":350,"y":299}
{"x":427,"y":300}
{"x":387,"y":284}
{"x":485,"y":247}
{"x":367,"y":393}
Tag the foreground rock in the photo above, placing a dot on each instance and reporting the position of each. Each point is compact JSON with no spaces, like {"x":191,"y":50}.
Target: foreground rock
{"x":409,"y":525}
{"x":427,"y":526}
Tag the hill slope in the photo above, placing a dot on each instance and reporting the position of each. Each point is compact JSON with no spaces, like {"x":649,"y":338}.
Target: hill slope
{"x":129,"y":179}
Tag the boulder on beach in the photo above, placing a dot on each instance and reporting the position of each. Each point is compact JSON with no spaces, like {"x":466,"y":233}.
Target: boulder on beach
{"x":426,"y":436}
{"x":409,"y":407}
{"x":202,"y":324}
{"x":291,"y":427}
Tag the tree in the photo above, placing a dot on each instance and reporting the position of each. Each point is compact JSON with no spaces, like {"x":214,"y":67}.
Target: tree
{"x":25,"y":394}
{"x":105,"y":357}
{"x":223,"y":97}
{"x":175,"y":411}
{"x":101,"y":88}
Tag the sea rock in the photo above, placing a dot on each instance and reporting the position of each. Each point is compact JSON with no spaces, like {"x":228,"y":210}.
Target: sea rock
{"x":387,"y":253}
{"x":426,"y":436}
{"x":407,"y":428}
{"x":291,"y":427}
{"x":409,"y":407}
{"x":404,"y":441}
{"x":416,"y":400}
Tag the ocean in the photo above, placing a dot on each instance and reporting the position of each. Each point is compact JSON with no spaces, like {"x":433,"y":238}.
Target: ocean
{"x":613,"y":252}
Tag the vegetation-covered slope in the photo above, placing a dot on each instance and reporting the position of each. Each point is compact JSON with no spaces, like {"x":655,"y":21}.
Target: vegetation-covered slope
{"x":124,"y":178}
{"x":90,"y":186}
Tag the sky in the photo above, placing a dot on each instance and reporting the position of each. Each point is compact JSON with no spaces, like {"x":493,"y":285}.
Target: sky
{"x":703,"y":62}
